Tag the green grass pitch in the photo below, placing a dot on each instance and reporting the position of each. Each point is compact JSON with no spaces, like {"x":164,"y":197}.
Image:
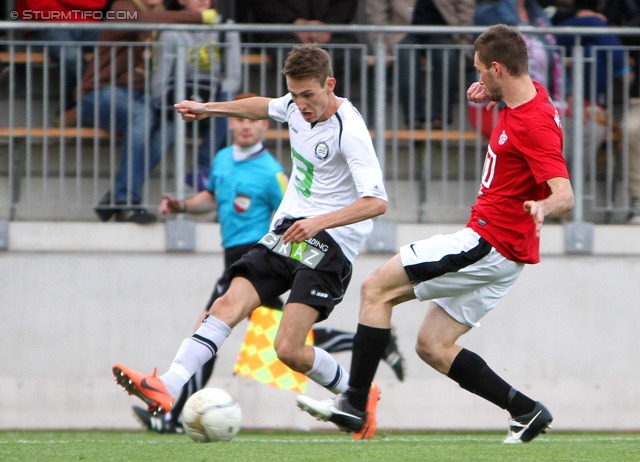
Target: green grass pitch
{"x":267,"y":446}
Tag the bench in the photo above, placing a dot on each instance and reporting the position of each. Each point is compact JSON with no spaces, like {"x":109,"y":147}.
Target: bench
{"x":273,"y":134}
{"x":39,"y":133}
{"x":37,"y":57}
{"x":22,"y":57}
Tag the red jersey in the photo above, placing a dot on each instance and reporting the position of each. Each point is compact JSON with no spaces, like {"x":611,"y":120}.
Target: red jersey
{"x":525,"y":150}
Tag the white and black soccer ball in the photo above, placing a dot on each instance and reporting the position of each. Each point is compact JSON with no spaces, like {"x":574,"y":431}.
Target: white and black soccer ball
{"x":210,"y":415}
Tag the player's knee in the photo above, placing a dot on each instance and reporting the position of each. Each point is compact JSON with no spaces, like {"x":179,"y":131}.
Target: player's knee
{"x":429,"y":353}
{"x":229,"y":310}
{"x":370,"y":291}
{"x":289,"y":355}
{"x":219,"y":305}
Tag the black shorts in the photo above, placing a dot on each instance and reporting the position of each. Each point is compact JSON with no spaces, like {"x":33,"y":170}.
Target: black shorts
{"x":315,"y":271}
{"x":232,"y":255}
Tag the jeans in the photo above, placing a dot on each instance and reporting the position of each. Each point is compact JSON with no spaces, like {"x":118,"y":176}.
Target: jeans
{"x":211,"y":140}
{"x":67,"y":54}
{"x":141,"y":137}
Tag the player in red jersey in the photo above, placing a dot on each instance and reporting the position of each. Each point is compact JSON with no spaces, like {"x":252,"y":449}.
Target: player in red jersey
{"x":466,"y":273}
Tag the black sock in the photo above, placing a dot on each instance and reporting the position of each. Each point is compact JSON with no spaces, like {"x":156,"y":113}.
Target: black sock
{"x":472,"y":373}
{"x":519,"y":404}
{"x":369,"y":344}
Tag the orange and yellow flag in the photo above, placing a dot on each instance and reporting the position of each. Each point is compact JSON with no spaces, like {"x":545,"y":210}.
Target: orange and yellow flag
{"x":257,"y":358}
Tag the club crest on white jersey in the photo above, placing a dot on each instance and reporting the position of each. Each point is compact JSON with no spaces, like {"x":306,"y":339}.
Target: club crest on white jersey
{"x":322,"y":150}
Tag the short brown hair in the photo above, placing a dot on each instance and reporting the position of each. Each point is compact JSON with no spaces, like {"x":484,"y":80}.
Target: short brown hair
{"x":308,"y":60}
{"x":505,"y":45}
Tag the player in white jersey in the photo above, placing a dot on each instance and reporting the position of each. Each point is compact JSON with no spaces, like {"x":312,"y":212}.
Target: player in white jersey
{"x":334,"y":164}
{"x":335,"y":189}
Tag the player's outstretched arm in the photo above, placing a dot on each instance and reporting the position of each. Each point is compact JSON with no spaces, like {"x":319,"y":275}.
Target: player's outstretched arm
{"x":254,"y":108}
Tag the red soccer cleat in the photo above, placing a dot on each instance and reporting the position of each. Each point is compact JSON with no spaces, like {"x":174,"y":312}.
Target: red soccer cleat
{"x":149,"y":388}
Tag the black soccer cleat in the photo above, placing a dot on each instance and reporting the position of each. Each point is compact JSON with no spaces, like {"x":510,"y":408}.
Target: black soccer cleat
{"x":524,"y":428}
{"x":158,"y":424}
{"x":337,"y":410}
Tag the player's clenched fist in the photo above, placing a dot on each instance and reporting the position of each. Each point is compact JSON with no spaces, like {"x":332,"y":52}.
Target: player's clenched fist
{"x":477,"y":93}
{"x":190,"y":110}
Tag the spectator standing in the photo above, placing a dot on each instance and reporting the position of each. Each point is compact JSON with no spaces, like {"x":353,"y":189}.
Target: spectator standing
{"x":126,"y":100}
{"x":74,"y":43}
{"x":437,"y":13}
{"x":213,"y":73}
{"x":388,"y":12}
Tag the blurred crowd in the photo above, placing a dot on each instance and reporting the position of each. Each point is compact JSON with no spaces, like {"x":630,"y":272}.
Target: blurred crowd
{"x":220,"y":78}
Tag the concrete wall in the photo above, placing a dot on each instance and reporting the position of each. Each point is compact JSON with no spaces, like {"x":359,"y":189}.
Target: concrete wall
{"x":76,"y":298}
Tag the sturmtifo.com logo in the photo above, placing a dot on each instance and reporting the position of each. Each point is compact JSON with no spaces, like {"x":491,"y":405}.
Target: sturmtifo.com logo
{"x":74,"y":15}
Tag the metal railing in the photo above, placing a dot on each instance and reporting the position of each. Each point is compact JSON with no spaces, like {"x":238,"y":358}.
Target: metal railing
{"x":53,"y":168}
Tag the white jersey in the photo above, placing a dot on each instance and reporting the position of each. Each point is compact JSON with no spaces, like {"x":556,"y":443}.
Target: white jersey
{"x":333,"y":165}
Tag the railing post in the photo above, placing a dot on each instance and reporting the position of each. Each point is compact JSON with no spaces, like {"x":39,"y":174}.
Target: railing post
{"x":180,"y":233}
{"x":383,"y":237}
{"x":13,"y":170}
{"x":578,"y":132}
{"x":380,"y":72}
{"x":578,"y":234}
{"x":179,"y":126}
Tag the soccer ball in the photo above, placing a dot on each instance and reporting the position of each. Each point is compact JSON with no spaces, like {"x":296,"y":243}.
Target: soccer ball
{"x":211,"y":414}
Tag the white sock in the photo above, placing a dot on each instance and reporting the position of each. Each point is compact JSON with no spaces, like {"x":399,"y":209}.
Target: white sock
{"x":194,"y":352}
{"x":327,"y":372}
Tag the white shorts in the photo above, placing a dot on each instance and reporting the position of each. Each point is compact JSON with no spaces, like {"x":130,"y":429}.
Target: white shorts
{"x":461,"y":272}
